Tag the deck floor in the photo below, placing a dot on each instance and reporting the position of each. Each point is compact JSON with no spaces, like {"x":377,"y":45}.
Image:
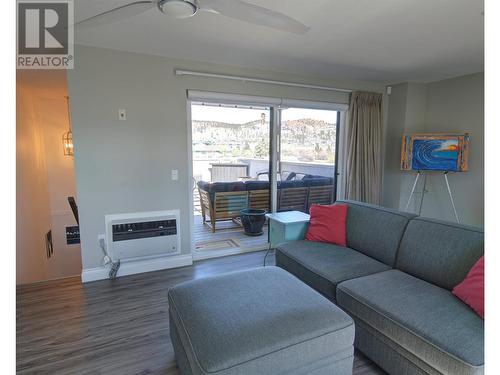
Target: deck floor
{"x":229,"y":238}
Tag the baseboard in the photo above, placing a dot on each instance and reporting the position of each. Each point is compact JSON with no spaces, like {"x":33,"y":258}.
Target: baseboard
{"x":139,"y":266}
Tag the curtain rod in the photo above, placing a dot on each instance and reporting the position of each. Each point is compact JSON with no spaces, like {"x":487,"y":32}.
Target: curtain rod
{"x":180,"y":72}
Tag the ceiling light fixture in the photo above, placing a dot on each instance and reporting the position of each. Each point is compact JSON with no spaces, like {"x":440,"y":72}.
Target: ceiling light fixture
{"x":178,"y":8}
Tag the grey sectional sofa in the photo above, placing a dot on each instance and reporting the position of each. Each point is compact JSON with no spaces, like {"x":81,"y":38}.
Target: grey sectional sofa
{"x":394,"y":279}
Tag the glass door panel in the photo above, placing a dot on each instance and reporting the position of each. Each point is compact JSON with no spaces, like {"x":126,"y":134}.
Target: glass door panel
{"x":230,"y":153}
{"x":307,"y":158}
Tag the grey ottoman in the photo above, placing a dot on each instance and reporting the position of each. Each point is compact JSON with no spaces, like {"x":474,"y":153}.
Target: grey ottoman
{"x":260,"y":321}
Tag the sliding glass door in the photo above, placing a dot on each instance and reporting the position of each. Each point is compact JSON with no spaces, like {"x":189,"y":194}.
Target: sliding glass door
{"x":230,"y":164}
{"x":307,"y":158}
{"x":250,"y":153}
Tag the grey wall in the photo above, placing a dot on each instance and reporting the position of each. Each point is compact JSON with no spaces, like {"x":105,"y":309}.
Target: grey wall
{"x":415,"y":112}
{"x":395,"y":128}
{"x":458,"y":105}
{"x":124,"y":166}
{"x":452,"y":105}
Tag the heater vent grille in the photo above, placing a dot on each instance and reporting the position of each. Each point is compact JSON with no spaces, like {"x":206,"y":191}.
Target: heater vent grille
{"x":142,"y":234}
{"x":145,"y":229}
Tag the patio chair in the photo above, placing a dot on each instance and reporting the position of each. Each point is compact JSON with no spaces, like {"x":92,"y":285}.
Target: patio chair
{"x":320,"y":190}
{"x":292,"y":196}
{"x":222,"y":201}
{"x":258,"y":194}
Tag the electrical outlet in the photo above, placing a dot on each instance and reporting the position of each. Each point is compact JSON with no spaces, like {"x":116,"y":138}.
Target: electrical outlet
{"x":175,"y":174}
{"x":101,"y":240}
{"x":122,"y":114}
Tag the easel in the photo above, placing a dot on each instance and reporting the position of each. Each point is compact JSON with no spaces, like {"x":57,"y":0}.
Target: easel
{"x":445,"y":174}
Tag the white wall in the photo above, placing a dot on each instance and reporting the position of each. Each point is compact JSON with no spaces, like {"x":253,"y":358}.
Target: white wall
{"x":45,"y":178}
{"x":124,"y":166}
{"x":53,"y":115}
{"x":452,"y":105}
{"x":32,"y":195}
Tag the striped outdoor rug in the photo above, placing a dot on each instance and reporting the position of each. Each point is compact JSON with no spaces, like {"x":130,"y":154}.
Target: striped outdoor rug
{"x":216,"y":245}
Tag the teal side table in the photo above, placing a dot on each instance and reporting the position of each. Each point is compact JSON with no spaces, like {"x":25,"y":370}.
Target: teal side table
{"x":287,"y":226}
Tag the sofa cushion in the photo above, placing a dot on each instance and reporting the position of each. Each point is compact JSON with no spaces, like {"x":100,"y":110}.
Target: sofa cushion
{"x":327,"y":224}
{"x":323,"y":266}
{"x":258,"y":321}
{"x":375,"y":231}
{"x":424,"y":319}
{"x":439,"y":252}
{"x":471,"y":290}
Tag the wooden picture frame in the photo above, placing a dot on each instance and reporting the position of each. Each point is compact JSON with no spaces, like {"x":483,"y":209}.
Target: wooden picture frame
{"x":446,"y":152}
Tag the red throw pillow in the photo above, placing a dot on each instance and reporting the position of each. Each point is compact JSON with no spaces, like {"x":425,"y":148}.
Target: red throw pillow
{"x":327,"y":224}
{"x":471,"y":290}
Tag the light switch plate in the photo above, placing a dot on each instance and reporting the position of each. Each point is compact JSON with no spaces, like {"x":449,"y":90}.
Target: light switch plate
{"x":175,"y":174}
{"x":122,"y":114}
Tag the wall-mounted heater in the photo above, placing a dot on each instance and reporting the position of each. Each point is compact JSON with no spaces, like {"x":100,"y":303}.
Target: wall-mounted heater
{"x":143,"y":235}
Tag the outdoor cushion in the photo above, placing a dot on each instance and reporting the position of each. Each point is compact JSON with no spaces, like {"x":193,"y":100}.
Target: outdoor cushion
{"x":425,"y":320}
{"x":220,"y":187}
{"x":439,"y":252}
{"x":310,"y":180}
{"x":291,"y":184}
{"x":217,"y":187}
{"x":375,"y":231}
{"x":257,"y":185}
{"x":214,"y":187}
{"x":203,"y":185}
{"x":258,"y":321}
{"x":323,"y":266}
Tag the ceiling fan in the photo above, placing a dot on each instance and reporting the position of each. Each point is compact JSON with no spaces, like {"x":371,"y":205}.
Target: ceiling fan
{"x":236,"y":9}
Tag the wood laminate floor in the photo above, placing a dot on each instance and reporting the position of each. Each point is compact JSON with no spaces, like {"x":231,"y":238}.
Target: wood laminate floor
{"x":113,"y":326}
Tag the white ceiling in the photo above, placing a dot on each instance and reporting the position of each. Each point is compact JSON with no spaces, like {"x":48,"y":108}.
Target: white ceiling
{"x":382,"y":40}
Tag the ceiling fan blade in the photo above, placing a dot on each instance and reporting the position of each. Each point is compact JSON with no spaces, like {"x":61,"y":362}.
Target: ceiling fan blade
{"x":251,"y":13}
{"x":117,"y":14}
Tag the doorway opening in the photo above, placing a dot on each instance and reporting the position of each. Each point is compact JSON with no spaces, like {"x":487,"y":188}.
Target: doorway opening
{"x":48,"y":236}
{"x":232,"y":146}
{"x":230,"y":154}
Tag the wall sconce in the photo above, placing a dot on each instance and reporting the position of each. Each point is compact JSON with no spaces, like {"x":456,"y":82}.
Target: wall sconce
{"x":67,"y":138}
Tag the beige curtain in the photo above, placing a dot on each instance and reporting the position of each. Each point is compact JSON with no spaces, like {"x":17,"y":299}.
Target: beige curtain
{"x":363,"y":172}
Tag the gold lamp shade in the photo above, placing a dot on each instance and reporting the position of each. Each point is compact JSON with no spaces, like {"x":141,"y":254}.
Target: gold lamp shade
{"x":67,"y":140}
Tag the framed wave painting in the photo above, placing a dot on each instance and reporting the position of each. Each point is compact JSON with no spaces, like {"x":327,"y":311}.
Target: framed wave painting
{"x":435,"y":152}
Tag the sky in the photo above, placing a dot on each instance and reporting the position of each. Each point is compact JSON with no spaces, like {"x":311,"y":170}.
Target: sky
{"x":244,"y":115}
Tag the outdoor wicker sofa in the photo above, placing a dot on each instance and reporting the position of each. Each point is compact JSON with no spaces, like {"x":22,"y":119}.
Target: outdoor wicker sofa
{"x":221,"y":201}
